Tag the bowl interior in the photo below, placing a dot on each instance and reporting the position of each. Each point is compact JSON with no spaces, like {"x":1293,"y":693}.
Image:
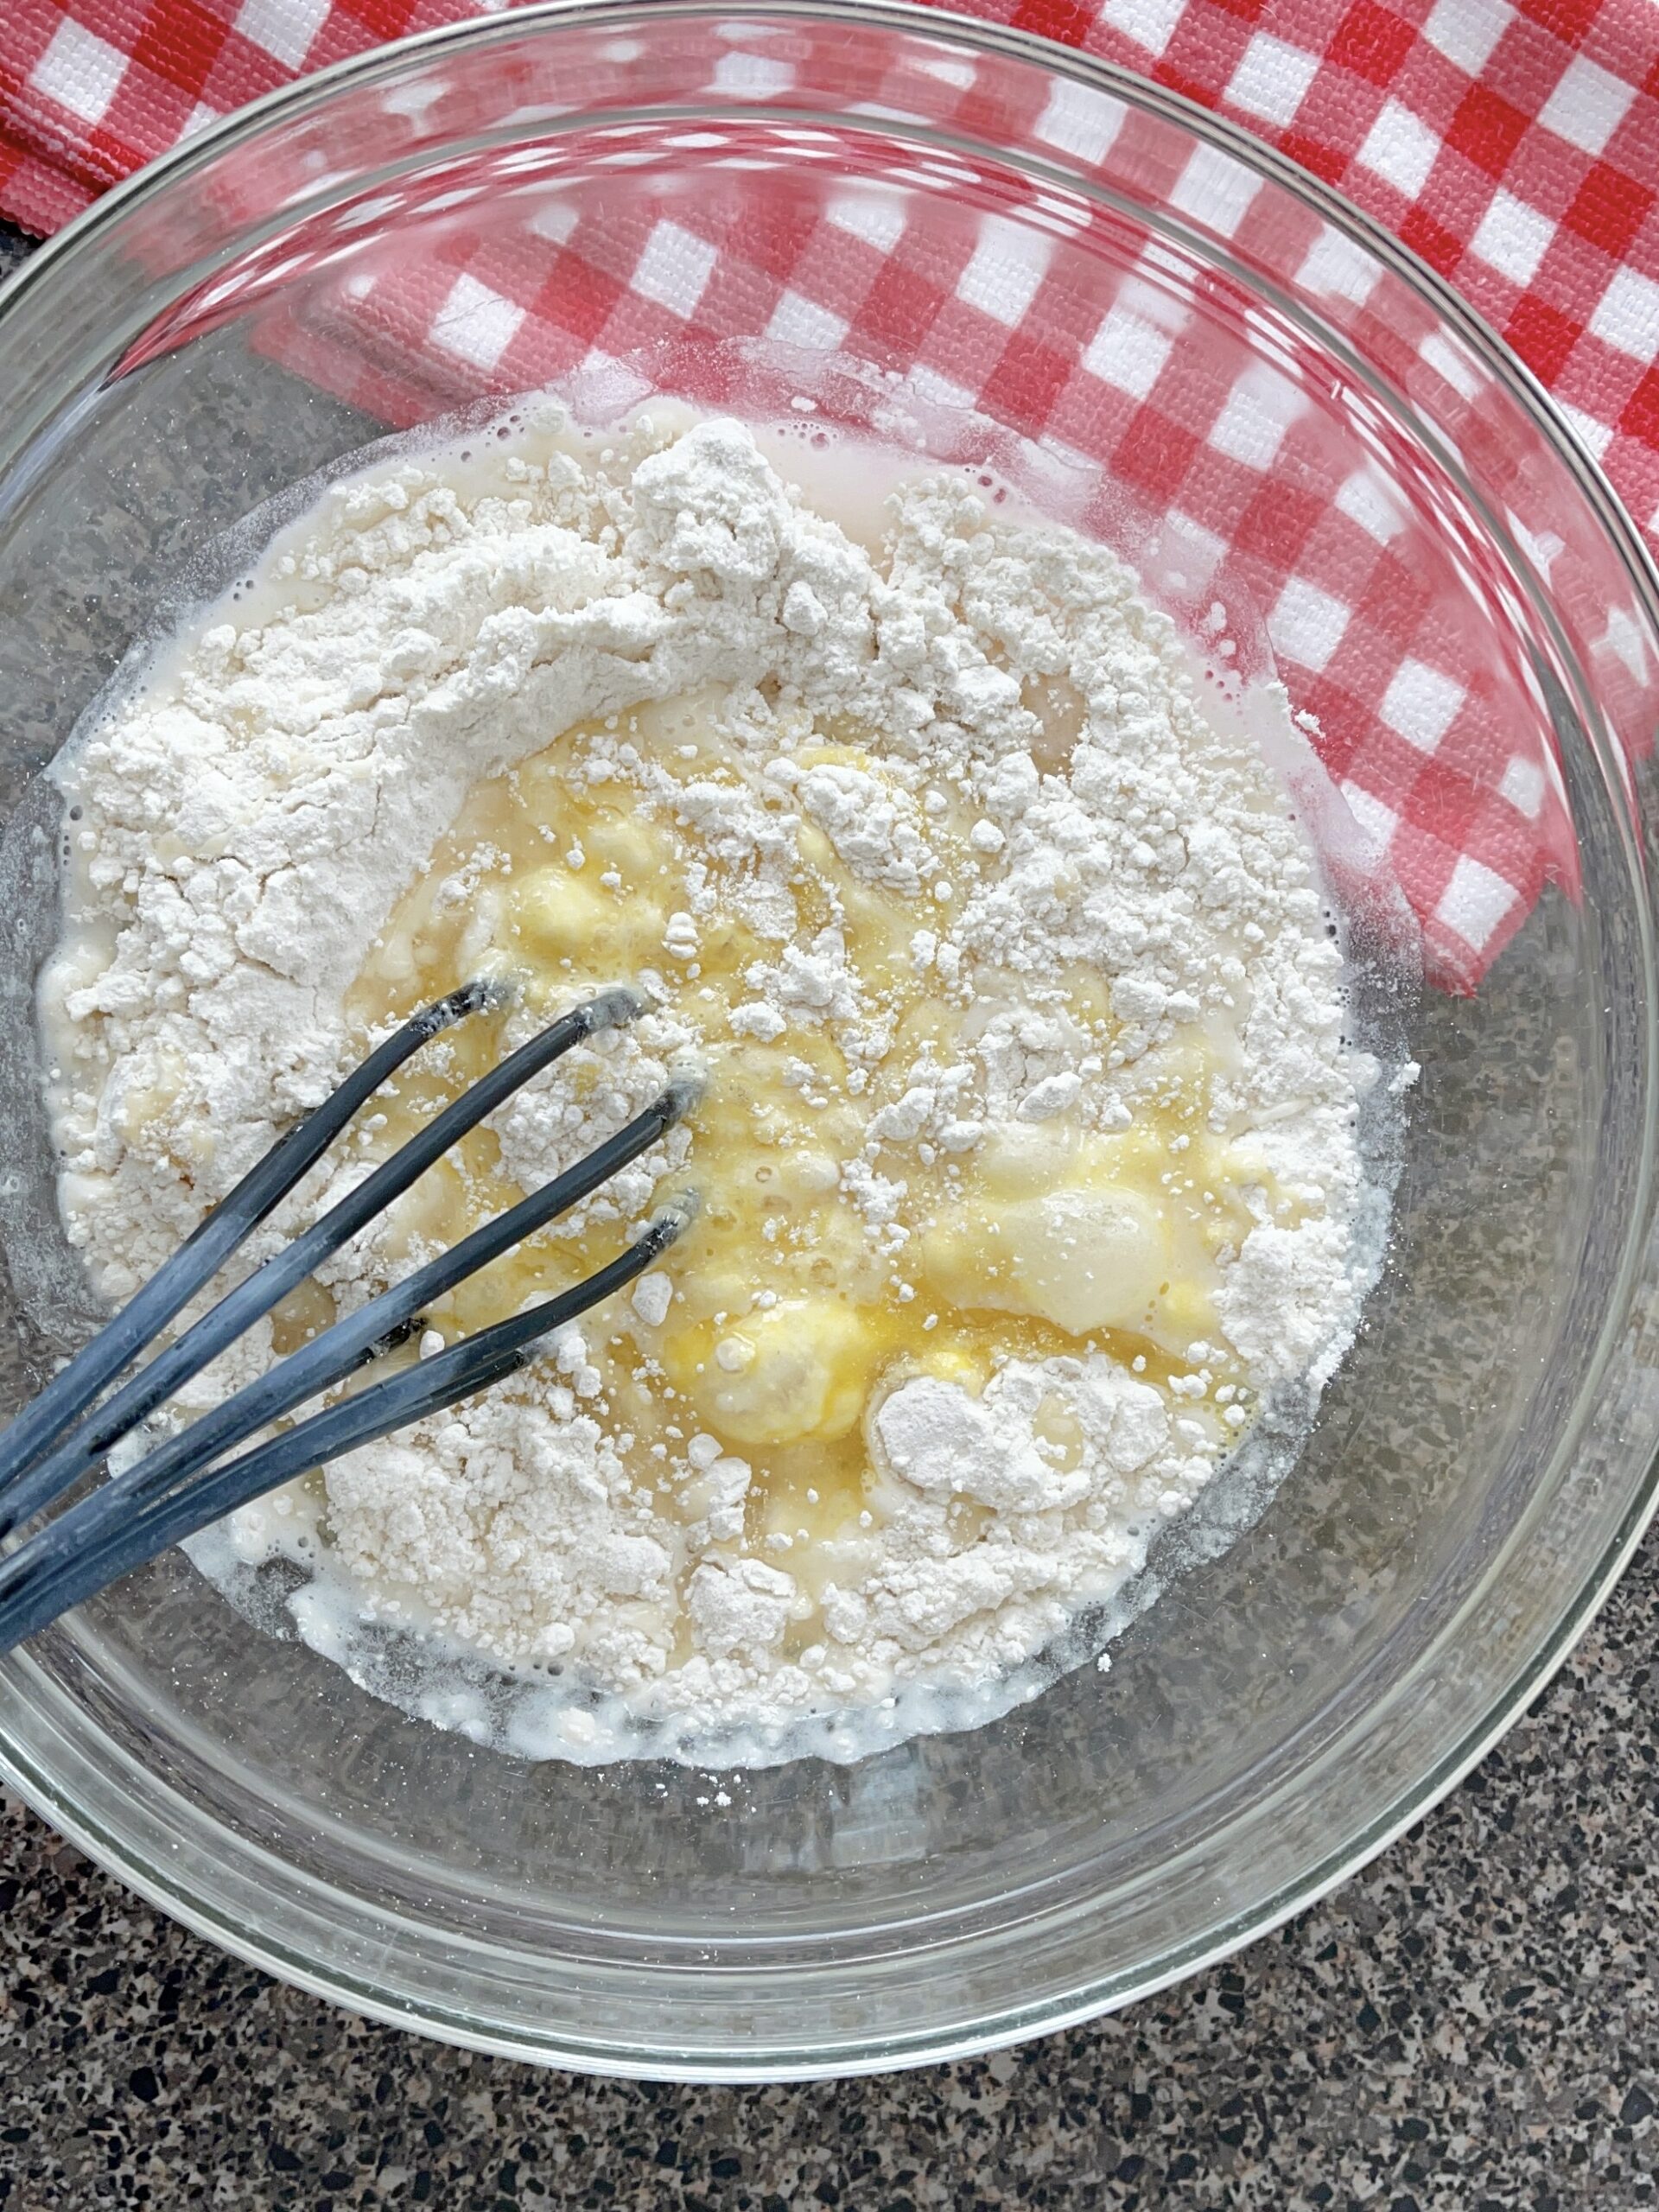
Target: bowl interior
{"x":938,"y":235}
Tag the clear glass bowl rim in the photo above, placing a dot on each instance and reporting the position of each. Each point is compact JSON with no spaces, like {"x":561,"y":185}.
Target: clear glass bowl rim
{"x":171,"y":1887}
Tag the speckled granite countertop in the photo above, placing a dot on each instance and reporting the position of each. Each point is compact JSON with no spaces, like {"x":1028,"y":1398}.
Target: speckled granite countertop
{"x":1471,"y":2025}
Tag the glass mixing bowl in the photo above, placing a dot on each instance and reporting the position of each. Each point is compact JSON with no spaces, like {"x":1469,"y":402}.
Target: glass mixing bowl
{"x":449,"y":219}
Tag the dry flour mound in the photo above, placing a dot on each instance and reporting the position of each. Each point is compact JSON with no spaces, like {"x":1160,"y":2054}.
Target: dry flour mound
{"x":1044,"y":787}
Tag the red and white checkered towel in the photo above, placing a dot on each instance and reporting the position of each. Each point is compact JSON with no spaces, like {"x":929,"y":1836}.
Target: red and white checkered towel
{"x":1514,"y":147}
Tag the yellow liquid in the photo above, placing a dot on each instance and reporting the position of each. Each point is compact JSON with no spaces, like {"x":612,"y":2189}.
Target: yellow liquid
{"x":789,"y":1316}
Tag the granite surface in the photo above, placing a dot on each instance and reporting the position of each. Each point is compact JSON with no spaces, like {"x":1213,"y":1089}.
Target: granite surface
{"x":1469,"y":2025}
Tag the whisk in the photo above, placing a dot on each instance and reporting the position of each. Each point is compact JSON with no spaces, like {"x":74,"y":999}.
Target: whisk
{"x":186,"y":1482}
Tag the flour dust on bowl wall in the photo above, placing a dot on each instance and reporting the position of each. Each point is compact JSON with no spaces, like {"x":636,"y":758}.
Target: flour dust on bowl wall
{"x":1106,"y":739}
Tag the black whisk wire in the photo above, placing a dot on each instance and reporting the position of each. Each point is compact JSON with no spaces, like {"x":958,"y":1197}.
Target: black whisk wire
{"x":44,"y":1420}
{"x":185,"y":1483}
{"x":25,"y":1489}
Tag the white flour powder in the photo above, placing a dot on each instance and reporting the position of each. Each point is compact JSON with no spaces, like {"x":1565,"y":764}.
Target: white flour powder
{"x":249,"y":817}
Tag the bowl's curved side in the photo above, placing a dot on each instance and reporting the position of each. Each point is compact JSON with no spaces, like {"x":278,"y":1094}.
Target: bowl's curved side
{"x":1484,"y":1470}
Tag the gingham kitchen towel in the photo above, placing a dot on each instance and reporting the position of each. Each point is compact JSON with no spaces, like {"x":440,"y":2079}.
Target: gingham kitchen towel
{"x":1516,"y":148}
